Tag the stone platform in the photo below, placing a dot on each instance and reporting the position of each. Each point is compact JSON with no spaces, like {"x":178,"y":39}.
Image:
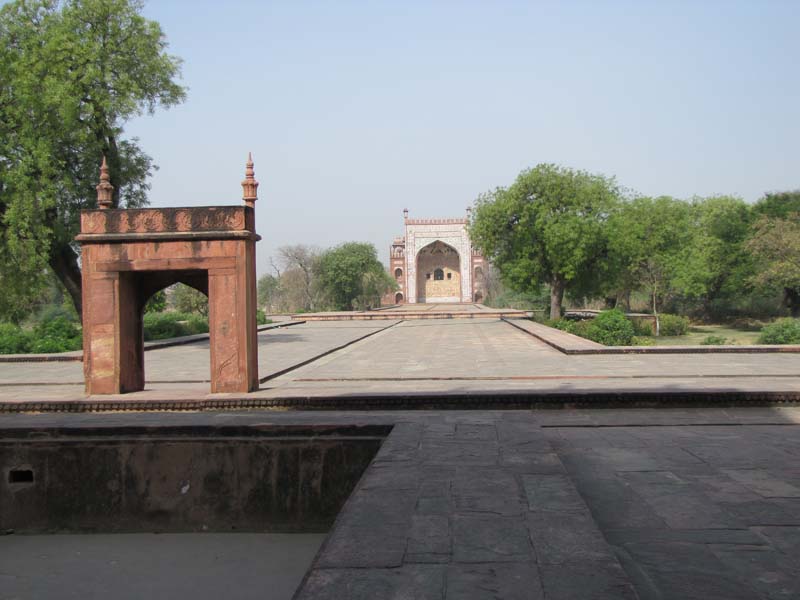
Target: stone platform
{"x":601,"y":504}
{"x":417,"y":311}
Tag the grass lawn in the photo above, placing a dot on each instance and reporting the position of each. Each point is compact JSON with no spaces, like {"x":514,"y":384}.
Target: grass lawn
{"x":699,"y":332}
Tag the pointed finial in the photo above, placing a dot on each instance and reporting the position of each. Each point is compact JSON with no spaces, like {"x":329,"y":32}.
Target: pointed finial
{"x":469,"y":212}
{"x":250,"y":185}
{"x":405,"y":213}
{"x":104,"y":189}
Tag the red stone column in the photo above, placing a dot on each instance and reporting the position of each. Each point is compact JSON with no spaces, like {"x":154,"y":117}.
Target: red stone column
{"x":232,"y":340}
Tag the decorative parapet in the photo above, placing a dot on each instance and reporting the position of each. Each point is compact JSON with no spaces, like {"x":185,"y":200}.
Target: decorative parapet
{"x":437,"y":221}
{"x":198,"y":222}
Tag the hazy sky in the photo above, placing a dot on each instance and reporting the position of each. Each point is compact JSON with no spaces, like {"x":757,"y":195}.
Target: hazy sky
{"x":354,"y":111}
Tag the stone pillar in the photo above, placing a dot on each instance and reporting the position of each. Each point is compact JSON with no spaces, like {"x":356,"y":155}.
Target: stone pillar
{"x":232,"y":340}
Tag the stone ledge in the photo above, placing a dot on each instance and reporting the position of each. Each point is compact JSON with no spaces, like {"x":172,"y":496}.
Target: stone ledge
{"x":77,"y":355}
{"x":421,"y":401}
{"x":570,"y":344}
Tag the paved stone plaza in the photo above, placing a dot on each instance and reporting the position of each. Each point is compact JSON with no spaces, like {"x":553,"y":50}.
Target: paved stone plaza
{"x":598,"y":503}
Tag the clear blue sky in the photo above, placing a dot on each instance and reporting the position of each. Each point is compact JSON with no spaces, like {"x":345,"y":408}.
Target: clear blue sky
{"x":354,"y":111}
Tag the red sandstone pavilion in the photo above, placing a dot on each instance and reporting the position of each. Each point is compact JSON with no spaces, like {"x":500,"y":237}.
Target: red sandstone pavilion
{"x":434,"y":261}
{"x":130,"y":254}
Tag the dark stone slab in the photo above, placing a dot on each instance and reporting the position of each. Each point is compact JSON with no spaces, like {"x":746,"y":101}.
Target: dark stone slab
{"x":783,"y":539}
{"x":552,"y":492}
{"x":487,"y":491}
{"x":429,"y":539}
{"x":568,"y":537}
{"x":591,"y":580}
{"x":520,"y":460}
{"x":417,"y":582}
{"x":686,"y":571}
{"x":472,"y":431}
{"x":680,"y":504}
{"x":458,"y":452}
{"x":509,"y":581}
{"x":490,"y":539}
{"x":362,"y":545}
{"x":760,"y":512}
{"x":772,"y":574}
{"x":690,"y":536}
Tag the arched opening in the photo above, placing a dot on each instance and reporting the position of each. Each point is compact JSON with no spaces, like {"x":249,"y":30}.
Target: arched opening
{"x":147,"y":284}
{"x":398,"y":298}
{"x":438,"y":273}
{"x":398,"y":273}
{"x":478,"y":296}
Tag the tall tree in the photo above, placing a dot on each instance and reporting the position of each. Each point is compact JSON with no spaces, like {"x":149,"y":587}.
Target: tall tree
{"x":72,"y":73}
{"x":351,"y":276}
{"x":547,"y":228}
{"x":775,"y":244}
{"x":778,"y":205}
{"x":302,"y":258}
{"x":647,"y":240}
{"x":715,"y":263}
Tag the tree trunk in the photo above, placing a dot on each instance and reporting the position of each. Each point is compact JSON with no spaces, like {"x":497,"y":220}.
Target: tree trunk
{"x":556,"y":297}
{"x":792,"y":300}
{"x":64,"y":263}
{"x":655,"y":312}
{"x":624,"y":300}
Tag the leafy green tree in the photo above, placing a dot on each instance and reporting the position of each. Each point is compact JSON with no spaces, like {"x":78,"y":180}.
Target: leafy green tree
{"x":351,"y":277}
{"x":778,"y":205}
{"x":188,"y":300}
{"x":548,"y":228}
{"x":157,"y":302}
{"x":72,"y":73}
{"x":648,"y":238}
{"x":269,"y":292}
{"x":775,"y":245}
{"x":716,"y":263}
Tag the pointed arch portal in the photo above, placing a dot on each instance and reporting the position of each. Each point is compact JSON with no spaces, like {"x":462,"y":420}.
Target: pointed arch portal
{"x":438,"y":273}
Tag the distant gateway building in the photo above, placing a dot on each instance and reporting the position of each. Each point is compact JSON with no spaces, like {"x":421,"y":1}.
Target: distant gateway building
{"x":435,"y":262}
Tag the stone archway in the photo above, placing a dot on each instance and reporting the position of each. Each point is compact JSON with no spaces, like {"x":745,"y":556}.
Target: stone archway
{"x":438,"y":273}
{"x":128,"y":255}
{"x":398,"y":298}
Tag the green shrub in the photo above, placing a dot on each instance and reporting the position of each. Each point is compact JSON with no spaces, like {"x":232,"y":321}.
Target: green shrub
{"x":714,"y":340}
{"x":13,"y":340}
{"x":642,"y":327}
{"x":162,"y":326}
{"x":782,"y":331}
{"x":639,"y":340}
{"x":196,"y":324}
{"x":56,"y":335}
{"x":261,"y":318}
{"x":611,"y":328}
{"x":673,"y":325}
{"x":580,"y":328}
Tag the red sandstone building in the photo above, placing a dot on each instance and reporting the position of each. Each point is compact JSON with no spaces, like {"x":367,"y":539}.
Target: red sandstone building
{"x":434,"y":261}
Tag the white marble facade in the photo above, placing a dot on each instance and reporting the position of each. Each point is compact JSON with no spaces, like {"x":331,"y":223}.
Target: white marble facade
{"x":420,"y":233}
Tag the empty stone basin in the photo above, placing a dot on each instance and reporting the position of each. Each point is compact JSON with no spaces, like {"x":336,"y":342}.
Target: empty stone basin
{"x":232,"y":512}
